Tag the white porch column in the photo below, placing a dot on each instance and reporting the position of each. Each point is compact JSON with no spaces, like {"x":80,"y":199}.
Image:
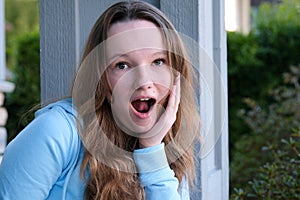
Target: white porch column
{"x":4,"y":87}
{"x":238,"y":15}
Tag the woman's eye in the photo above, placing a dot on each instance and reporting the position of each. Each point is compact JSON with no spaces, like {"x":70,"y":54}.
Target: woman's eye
{"x":121,"y":65}
{"x":159,"y":62}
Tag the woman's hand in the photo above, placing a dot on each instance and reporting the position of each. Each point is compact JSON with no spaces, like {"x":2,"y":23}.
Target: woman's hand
{"x":156,"y":134}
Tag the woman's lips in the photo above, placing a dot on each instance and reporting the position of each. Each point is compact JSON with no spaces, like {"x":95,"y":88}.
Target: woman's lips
{"x":143,"y":106}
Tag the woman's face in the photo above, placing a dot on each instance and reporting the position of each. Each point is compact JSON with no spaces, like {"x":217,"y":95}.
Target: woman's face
{"x":138,"y":74}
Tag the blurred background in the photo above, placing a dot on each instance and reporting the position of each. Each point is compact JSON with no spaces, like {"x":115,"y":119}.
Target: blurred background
{"x":263,"y":48}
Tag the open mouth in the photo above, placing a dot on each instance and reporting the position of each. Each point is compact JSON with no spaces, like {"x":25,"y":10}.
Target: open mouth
{"x":143,"y":105}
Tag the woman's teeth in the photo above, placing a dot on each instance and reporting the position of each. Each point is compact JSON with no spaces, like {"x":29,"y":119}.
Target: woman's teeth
{"x":143,"y":105}
{"x":145,"y":99}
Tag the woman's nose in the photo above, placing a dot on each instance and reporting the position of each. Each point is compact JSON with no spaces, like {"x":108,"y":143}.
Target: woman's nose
{"x":143,"y":78}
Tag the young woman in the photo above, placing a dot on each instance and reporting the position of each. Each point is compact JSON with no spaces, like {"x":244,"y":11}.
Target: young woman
{"x":128,"y":130}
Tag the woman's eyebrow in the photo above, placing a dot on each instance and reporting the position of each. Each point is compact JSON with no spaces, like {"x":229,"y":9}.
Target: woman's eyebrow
{"x":117,"y":55}
{"x":160,"y":53}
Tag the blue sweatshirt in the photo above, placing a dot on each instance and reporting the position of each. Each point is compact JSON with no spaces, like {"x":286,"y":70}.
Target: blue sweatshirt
{"x":43,"y":162}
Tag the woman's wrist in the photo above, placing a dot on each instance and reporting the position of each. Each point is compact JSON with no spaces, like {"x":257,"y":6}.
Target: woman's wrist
{"x":151,"y":158}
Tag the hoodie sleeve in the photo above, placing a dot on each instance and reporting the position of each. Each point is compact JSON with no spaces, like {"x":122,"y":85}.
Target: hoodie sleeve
{"x":157,"y":177}
{"x":37,"y":158}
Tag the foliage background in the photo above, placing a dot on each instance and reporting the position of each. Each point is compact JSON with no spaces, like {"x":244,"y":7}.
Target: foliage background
{"x":23,"y":61}
{"x":263,"y":105}
{"x":22,"y":16}
{"x":257,"y":60}
{"x":26,"y":77}
{"x":267,"y":161}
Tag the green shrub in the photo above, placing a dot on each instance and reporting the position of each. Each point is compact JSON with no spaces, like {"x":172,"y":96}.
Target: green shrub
{"x":244,"y":72}
{"x":276,"y":29}
{"x":21,"y":17}
{"x":256,"y":60}
{"x":26,"y":76}
{"x":263,"y":147}
{"x":279,"y":179}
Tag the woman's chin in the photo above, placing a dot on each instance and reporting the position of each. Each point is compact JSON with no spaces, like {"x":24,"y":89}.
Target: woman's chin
{"x":142,"y":123}
{"x":137,"y":124}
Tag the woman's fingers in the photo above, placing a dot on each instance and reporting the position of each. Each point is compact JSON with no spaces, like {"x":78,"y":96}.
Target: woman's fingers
{"x":167,"y":119}
{"x":174,"y":100}
{"x":177,"y":97}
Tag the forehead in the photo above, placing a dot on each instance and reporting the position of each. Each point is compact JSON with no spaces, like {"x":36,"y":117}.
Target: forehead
{"x":119,"y":27}
{"x":125,"y":37}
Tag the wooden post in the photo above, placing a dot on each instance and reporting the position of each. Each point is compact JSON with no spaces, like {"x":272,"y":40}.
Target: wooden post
{"x":244,"y":16}
{"x":4,"y":88}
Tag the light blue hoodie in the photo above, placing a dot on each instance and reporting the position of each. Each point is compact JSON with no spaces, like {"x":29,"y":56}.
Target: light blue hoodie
{"x":43,"y":162}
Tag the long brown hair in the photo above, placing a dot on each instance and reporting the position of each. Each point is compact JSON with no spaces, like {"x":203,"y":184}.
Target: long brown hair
{"x":106,"y":182}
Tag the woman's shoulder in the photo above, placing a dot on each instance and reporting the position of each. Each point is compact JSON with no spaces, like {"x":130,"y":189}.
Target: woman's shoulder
{"x":43,"y":153}
{"x":64,"y":107}
{"x":57,"y":114}
{"x":54,"y":126}
{"x":57,"y":120}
